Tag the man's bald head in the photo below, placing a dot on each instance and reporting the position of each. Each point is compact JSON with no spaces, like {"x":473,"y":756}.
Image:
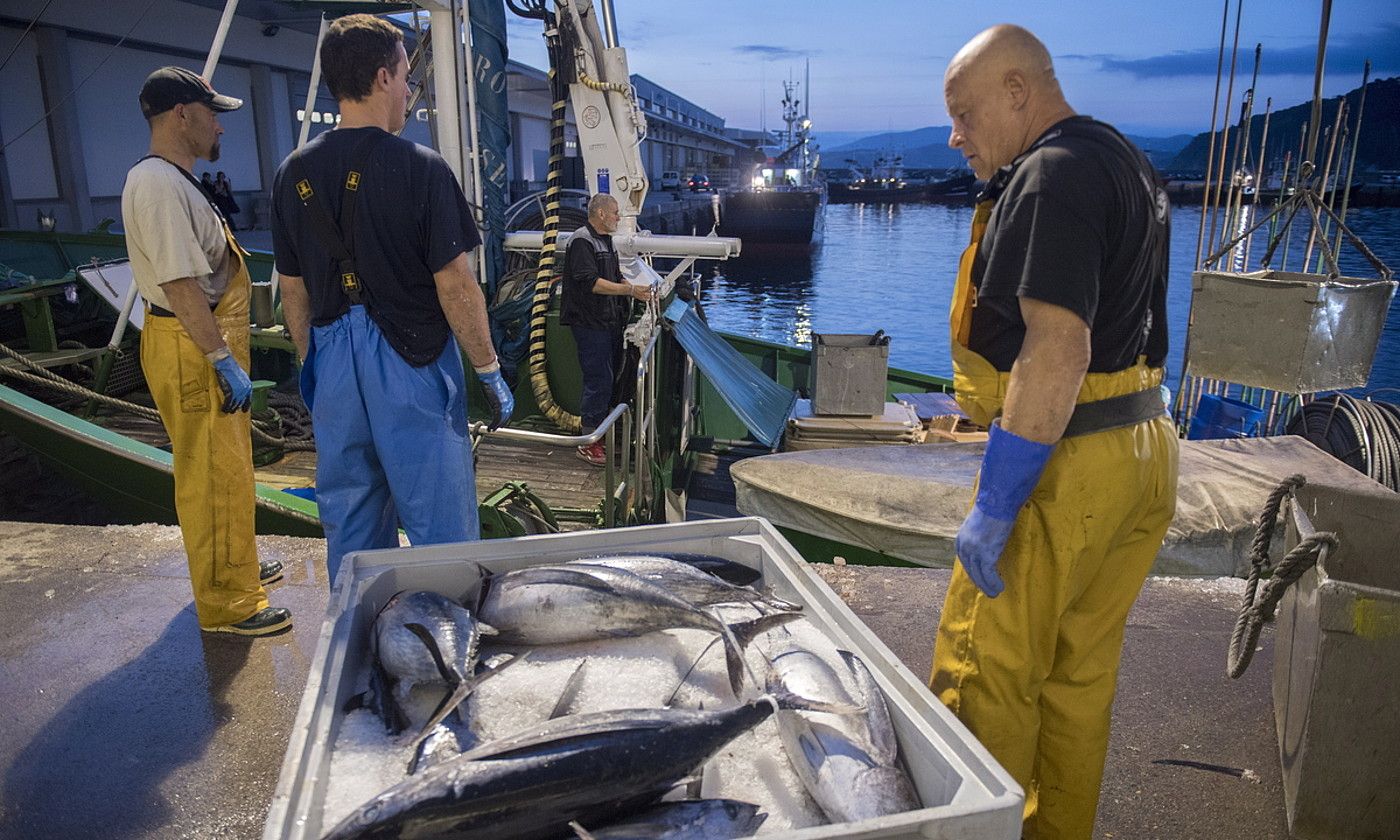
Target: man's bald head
{"x":1002,"y":94}
{"x":1004,"y":48}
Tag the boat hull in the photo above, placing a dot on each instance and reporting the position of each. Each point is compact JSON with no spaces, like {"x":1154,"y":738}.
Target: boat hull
{"x":775,"y":217}
{"x":133,"y":479}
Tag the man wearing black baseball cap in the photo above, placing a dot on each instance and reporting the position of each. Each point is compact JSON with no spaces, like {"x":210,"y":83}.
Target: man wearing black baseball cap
{"x":171,"y":86}
{"x":194,"y":350}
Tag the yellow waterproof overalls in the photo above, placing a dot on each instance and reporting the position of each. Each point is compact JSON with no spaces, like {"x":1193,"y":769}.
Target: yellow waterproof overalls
{"x":1032,"y":672}
{"x":213,"y":453}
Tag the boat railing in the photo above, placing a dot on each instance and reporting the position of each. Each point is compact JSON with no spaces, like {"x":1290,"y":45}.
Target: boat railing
{"x":621,"y":498}
{"x":614,"y":491}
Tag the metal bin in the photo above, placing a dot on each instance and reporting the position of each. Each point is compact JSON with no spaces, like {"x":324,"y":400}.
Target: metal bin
{"x":848,"y":373}
{"x":967,"y":794}
{"x":1336,"y":681}
{"x":1289,"y":332}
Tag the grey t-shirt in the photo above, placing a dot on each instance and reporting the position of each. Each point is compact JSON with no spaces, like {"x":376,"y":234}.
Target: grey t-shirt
{"x":172,"y":233}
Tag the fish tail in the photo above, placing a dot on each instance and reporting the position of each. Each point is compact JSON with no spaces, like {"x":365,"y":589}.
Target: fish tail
{"x":733,"y":659}
{"x":746,"y":631}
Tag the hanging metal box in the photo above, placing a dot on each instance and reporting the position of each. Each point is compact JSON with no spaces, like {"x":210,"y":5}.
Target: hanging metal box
{"x":848,"y":373}
{"x":1286,"y":331}
{"x":966,"y":794}
{"x":1336,"y":668}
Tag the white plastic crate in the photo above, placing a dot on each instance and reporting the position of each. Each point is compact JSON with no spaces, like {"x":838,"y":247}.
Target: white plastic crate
{"x":967,"y":794}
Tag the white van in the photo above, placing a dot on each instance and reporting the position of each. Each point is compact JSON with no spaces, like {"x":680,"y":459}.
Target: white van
{"x":670,"y":180}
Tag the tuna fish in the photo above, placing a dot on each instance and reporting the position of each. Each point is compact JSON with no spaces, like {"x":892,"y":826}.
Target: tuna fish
{"x":687,"y":819}
{"x":848,"y":763}
{"x":543,"y":605}
{"x":689,"y":583}
{"x":591,"y":768}
{"x":421,"y":637}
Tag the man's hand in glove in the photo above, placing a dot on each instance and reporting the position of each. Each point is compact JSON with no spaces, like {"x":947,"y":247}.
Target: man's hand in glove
{"x":497,"y":394}
{"x":237,"y":387}
{"x":1011,"y":468}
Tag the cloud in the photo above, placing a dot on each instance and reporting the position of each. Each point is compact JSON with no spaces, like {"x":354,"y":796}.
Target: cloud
{"x":1344,"y":55}
{"x":770,"y":51}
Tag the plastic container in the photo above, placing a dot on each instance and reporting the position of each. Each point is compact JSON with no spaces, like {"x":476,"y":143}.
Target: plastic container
{"x":848,"y":373}
{"x":1336,"y":682}
{"x":968,"y":795}
{"x":1222,"y":417}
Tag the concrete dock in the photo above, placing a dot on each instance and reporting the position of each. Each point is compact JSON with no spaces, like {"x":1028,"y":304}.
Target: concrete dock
{"x":123,"y":720}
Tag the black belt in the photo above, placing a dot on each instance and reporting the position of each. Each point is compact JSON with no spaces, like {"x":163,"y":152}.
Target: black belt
{"x":1115,"y":412}
{"x":162,"y":312}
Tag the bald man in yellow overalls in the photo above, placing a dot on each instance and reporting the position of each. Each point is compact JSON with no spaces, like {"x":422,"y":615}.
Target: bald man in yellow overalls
{"x":1058,"y":330}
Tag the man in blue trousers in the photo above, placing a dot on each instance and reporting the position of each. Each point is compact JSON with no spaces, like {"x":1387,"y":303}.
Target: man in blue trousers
{"x":372,"y":237}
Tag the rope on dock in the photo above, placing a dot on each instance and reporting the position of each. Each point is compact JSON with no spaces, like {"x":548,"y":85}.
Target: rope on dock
{"x":1259,"y":605}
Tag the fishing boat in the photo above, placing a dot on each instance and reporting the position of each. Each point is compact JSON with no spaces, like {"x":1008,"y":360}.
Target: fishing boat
{"x":784,"y":202}
{"x":886,"y":183}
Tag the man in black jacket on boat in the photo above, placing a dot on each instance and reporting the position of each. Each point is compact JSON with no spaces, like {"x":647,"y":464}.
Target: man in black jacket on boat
{"x":1058,"y":334}
{"x":593,"y":309}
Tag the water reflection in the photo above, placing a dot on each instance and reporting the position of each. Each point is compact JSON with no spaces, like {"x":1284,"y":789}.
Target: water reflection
{"x":766,"y":293}
{"x":891,"y":267}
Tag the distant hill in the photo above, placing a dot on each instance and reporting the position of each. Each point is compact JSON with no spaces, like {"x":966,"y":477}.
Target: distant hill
{"x":928,"y":148}
{"x":1379,"y":147}
{"x":1160,"y":150}
{"x":921,"y":148}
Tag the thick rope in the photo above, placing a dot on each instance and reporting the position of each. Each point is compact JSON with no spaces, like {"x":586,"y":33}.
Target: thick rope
{"x":38,"y":375}
{"x":1258,"y":606}
{"x":539,"y":306}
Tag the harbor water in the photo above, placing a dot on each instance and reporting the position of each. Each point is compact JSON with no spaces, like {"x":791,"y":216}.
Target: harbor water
{"x":891,"y":267}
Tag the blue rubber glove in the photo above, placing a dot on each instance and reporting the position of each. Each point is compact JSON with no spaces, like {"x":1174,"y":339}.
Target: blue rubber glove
{"x":237,"y":387}
{"x":1011,"y":467}
{"x":497,"y":394}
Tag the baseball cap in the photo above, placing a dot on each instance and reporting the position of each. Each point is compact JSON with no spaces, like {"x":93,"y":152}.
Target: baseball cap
{"x":171,"y":86}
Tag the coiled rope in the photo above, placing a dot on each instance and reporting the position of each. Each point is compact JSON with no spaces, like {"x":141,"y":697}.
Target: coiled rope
{"x":1363,"y":434}
{"x":1259,"y":605}
{"x":300,"y":441}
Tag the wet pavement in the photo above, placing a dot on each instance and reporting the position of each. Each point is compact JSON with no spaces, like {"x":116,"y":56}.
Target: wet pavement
{"x":123,"y":720}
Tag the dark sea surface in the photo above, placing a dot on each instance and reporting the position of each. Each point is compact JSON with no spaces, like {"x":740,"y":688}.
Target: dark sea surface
{"x":891,"y":267}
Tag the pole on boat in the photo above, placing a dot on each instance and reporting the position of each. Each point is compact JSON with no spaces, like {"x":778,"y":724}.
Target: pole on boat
{"x":315,"y":83}
{"x":1225,"y":131}
{"x":474,"y":140}
{"x":1184,"y":404}
{"x":445,"y":29}
{"x":217,"y":48}
{"x":1315,"y":122}
{"x":1356,"y":141}
{"x":1210,"y":146}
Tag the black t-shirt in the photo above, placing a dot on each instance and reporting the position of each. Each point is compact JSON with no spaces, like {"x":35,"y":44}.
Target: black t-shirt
{"x":1083,"y":223}
{"x":411,"y":220}
{"x":580,"y":305}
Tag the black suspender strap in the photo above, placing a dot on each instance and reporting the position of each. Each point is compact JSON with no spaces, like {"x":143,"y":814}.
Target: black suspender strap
{"x":197,"y":185}
{"x":339,"y":239}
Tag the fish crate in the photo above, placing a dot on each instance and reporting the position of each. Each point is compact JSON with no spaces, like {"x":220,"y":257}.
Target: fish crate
{"x":965,"y":793}
{"x":1286,"y":331}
